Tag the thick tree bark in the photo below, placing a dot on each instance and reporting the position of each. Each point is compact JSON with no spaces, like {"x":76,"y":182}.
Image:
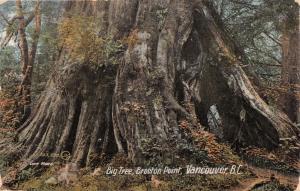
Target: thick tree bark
{"x":180,"y":64}
{"x":73,"y":115}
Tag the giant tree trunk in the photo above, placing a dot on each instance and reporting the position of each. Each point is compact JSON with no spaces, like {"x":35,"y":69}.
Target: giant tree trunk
{"x":180,"y":56}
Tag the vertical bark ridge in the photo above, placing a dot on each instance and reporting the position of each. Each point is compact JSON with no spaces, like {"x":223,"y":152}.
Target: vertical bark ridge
{"x":145,"y":81}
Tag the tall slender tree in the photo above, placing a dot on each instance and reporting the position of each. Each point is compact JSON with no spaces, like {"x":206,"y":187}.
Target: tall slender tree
{"x":290,"y":100}
{"x":27,"y":54}
{"x":27,"y":50}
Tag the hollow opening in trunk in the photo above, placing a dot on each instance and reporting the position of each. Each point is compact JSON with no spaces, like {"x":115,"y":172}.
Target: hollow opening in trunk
{"x":189,"y":70}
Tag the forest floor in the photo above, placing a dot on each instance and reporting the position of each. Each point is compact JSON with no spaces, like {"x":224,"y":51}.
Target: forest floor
{"x":256,"y":177}
{"x":266,"y":177}
{"x":262,"y":180}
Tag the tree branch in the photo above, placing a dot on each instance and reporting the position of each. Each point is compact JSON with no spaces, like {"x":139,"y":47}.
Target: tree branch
{"x":4,"y":18}
{"x":272,"y":38}
{"x":10,"y":22}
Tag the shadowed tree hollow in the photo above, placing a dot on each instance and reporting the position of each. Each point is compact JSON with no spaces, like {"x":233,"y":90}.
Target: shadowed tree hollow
{"x":178,"y":55}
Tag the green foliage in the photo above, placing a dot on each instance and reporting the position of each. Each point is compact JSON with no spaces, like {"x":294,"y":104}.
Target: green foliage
{"x":26,"y":174}
{"x":257,"y":27}
{"x":9,"y":114}
{"x":79,"y":34}
{"x":12,"y":28}
{"x":9,"y":80}
{"x":3,"y":164}
{"x":174,"y":152}
{"x":47,"y":55}
{"x":8,"y":58}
